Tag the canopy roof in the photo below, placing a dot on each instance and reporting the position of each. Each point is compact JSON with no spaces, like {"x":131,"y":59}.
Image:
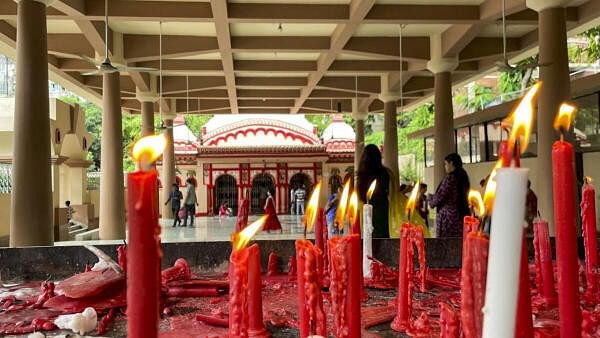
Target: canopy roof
{"x":281,"y":56}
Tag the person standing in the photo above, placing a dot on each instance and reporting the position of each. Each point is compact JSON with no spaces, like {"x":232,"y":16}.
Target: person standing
{"x":422,"y":207}
{"x":451,"y":198}
{"x":243,"y":211}
{"x":300,"y":196}
{"x":272,"y":222}
{"x":175,"y":198}
{"x":371,"y":168}
{"x":70,"y":212}
{"x":331,"y":209}
{"x":190,"y":203}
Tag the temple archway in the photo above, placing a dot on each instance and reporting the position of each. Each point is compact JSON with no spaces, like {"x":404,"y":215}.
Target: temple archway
{"x":261,"y":183}
{"x":225,"y":190}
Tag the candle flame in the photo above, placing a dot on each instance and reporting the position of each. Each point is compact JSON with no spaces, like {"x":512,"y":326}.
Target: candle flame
{"x":371,"y":190}
{"x":241,"y":239}
{"x":476,"y":202}
{"x":313,"y":206}
{"x":412,"y":200}
{"x":522,"y":120}
{"x":490,"y":189}
{"x":353,"y":207}
{"x":148,"y":149}
{"x":565,"y":115}
{"x":340,"y":214}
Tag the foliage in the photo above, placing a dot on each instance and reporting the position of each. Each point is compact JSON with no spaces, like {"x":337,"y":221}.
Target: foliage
{"x":592,"y":51}
{"x":132,"y":129}
{"x":321,"y":121}
{"x":196,"y":122}
{"x":417,"y":119}
{"x":375,"y":138}
{"x":476,"y":98}
{"x":408,"y":173}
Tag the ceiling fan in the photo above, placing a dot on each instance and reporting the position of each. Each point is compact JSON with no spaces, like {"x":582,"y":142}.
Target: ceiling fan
{"x":106,"y":66}
{"x":504,"y":65}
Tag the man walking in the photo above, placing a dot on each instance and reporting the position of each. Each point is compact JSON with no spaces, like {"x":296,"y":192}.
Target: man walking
{"x":175,"y":198}
{"x":299,"y":196}
{"x":190,"y":203}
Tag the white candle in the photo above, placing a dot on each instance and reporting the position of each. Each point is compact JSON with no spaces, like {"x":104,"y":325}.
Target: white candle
{"x":367,"y":239}
{"x":500,"y":310}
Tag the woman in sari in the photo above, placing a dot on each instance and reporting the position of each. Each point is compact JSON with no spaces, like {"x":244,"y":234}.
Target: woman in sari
{"x":272,"y":222}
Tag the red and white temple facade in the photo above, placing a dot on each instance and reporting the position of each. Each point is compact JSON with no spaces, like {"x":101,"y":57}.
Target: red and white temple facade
{"x":250,"y":154}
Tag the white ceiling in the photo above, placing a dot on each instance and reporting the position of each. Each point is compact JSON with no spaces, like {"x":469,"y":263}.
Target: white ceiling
{"x":378,"y":29}
{"x":275,"y":56}
{"x":168,"y":28}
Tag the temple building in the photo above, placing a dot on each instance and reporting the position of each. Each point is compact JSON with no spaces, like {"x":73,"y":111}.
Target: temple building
{"x":252,"y":154}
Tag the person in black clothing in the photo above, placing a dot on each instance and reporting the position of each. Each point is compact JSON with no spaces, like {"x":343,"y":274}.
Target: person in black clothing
{"x":175,"y":198}
{"x":370,"y":168}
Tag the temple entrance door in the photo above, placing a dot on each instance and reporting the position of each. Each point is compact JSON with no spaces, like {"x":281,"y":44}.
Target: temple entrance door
{"x":261,"y":183}
{"x":298,"y":180}
{"x":225,"y":190}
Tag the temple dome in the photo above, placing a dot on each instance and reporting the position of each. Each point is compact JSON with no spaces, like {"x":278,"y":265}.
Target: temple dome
{"x":184,"y":139}
{"x":338,"y":130}
{"x":339,"y":136}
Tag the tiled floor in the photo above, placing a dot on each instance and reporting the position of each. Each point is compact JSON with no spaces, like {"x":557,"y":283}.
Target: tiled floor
{"x":214,"y":229}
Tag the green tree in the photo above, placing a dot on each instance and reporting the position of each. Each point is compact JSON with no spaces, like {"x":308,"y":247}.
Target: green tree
{"x":132,"y":129}
{"x":593,"y":48}
{"x":321,"y":121}
{"x":196,"y":122}
{"x":411,"y":121}
{"x":478,"y":98}
{"x":93,"y":124}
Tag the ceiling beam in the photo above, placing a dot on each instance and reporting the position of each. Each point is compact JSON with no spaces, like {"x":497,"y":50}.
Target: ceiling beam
{"x":457,"y":37}
{"x":276,"y":13}
{"x":340,"y":37}
{"x":423,"y":14}
{"x":363,"y":85}
{"x":219,"y":10}
{"x":480,"y":48}
{"x":389,"y":47}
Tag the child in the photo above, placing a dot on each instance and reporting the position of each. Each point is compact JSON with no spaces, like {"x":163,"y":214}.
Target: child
{"x":70,"y":212}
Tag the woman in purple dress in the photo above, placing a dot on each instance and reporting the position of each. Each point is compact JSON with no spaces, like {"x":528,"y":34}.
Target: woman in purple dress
{"x":451,"y":198}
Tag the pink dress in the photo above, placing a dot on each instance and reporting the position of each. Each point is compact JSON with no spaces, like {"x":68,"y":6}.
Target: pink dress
{"x":272,"y":222}
{"x":242,"y":216}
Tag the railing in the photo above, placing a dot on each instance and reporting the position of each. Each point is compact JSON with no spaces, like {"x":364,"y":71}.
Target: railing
{"x":93,"y":180}
{"x":5,"y":178}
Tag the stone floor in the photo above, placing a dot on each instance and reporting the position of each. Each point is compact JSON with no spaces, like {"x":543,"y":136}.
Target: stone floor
{"x":213,"y":229}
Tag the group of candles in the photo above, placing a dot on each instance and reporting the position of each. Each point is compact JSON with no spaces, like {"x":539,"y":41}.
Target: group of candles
{"x":494,"y":268}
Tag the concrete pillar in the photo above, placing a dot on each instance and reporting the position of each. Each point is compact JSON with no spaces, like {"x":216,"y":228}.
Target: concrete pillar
{"x":168,"y":164}
{"x":147,"y":118}
{"x":147,"y":100}
{"x":359,"y":120}
{"x":390,"y":137}
{"x":112,"y":200}
{"x":31,"y":205}
{"x":555,"y":89}
{"x":443,"y":129}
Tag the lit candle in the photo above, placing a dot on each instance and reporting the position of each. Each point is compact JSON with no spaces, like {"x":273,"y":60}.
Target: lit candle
{"x":245,"y":305}
{"x":346,"y":277}
{"x":588,"y":222}
{"x":504,"y":283}
{"x":474,"y":270}
{"x":312,"y":319}
{"x":544,"y":271}
{"x":143,"y":251}
{"x":368,"y":232}
{"x":563,"y":180}
{"x":406,"y":266}
{"x":320,"y":239}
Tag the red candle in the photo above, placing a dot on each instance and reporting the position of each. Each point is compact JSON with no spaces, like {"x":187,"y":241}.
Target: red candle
{"x":143,"y":255}
{"x":320,"y":232}
{"x":524,"y":324}
{"x":238,"y":295}
{"x":346,"y":284}
{"x":418,"y":240}
{"x":449,"y":327}
{"x":566,"y":239}
{"x":470,"y":224}
{"x":401,"y":321}
{"x":472,"y":283}
{"x":544,"y":271}
{"x":310,"y":301}
{"x":256,"y":325}
{"x":588,"y":221}
{"x":273,"y":264}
